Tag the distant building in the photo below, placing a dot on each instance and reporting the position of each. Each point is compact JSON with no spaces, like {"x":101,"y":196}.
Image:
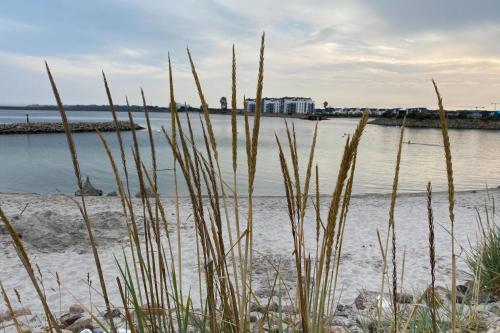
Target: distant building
{"x":290,"y":105}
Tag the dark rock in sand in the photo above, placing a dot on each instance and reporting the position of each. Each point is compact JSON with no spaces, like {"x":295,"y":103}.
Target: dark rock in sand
{"x":88,"y":190}
{"x":262,"y":308}
{"x":80,"y":325}
{"x":76,"y":308}
{"x":113,"y":313}
{"x":69,"y":318}
{"x":404,"y":298}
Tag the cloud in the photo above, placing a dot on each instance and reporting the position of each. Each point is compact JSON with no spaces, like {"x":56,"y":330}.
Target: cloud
{"x":350,"y":52}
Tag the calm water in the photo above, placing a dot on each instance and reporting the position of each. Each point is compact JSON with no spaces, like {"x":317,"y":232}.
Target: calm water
{"x":41,"y":163}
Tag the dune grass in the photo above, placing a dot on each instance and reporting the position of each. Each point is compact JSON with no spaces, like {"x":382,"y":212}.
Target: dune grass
{"x":150,"y":275}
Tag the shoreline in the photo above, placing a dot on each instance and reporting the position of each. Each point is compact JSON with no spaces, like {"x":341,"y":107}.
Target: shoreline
{"x":453,"y":123}
{"x":57,"y":127}
{"x":243,"y":196}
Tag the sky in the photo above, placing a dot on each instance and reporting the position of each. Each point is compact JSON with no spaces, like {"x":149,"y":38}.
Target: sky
{"x":373,"y":53}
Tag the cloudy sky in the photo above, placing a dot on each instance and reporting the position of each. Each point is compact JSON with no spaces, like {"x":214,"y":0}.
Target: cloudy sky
{"x":348,"y":52}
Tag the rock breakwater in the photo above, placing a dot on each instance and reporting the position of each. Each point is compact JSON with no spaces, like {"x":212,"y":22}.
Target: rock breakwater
{"x":489,"y":124}
{"x":40,"y":128}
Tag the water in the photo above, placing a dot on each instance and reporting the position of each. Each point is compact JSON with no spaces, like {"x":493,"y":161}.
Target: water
{"x":41,"y":163}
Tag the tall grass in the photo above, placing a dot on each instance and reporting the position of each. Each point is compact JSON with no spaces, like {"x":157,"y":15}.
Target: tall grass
{"x":432,"y":257}
{"x":451,"y":204}
{"x":150,"y":278}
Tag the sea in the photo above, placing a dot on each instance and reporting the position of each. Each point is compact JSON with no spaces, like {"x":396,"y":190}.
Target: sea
{"x":41,"y":163}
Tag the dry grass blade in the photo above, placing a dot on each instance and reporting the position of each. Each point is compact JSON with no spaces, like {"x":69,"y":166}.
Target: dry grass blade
{"x":325,"y":255}
{"x":174,"y":120}
{"x":76,"y":170}
{"x":252,"y":144}
{"x":204,"y":105}
{"x":258,"y":107}
{"x":233,"y":114}
{"x":432,"y":257}
{"x":451,"y":205}
{"x":10,"y":310}
{"x":296,"y":232}
{"x":393,"y":228}
{"x":118,"y":131}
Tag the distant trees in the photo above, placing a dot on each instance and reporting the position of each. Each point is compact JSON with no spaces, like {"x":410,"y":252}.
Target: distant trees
{"x":325,"y":105}
{"x":223,"y":103}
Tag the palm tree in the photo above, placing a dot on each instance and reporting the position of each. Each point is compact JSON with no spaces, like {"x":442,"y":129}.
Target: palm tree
{"x":325,"y":104}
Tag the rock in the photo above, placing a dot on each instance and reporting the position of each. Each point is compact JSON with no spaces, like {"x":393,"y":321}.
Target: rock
{"x":494,"y":308}
{"x":76,"y":308}
{"x":361,"y":302}
{"x":112,"y":313}
{"x":355,"y":329}
{"x":53,"y":330}
{"x":69,"y":318}
{"x":112,"y":194}
{"x":404,"y":298}
{"x":342,"y":307}
{"x":262,"y":308}
{"x":370,"y":299}
{"x":148,"y":193}
{"x":80,"y":325}
{"x":88,"y":190}
{"x":342,"y":321}
{"x":441,"y":296}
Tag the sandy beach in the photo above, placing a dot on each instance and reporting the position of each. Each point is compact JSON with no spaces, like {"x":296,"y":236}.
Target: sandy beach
{"x":54,"y":234}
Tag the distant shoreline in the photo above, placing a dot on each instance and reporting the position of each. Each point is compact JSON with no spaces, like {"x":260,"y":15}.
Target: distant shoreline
{"x":158,"y":109}
{"x":484,"y":124}
{"x":92,"y":107}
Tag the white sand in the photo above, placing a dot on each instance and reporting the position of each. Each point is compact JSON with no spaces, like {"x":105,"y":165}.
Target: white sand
{"x":56,"y":240}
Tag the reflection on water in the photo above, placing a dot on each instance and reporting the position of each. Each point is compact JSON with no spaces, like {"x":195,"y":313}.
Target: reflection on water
{"x":41,"y":163}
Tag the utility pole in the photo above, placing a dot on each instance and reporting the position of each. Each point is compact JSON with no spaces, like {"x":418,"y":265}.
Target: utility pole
{"x":495,"y":105}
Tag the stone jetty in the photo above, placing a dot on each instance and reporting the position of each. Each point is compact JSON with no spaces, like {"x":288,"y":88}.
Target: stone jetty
{"x":40,"y":128}
{"x":487,"y":124}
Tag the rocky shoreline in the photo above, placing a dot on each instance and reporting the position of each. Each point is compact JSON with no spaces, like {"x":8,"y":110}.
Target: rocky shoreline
{"x":358,"y":317}
{"x":41,"y":128}
{"x":489,"y":124}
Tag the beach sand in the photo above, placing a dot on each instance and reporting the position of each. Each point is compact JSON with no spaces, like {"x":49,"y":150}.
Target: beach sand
{"x":56,"y":240}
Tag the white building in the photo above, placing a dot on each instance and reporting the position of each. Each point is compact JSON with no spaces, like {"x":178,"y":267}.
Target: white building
{"x":290,"y":105}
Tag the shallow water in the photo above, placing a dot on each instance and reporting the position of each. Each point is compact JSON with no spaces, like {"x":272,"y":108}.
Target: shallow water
{"x":41,"y":163}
